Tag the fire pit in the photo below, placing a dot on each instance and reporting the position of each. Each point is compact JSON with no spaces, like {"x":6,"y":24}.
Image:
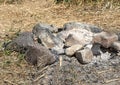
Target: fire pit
{"x":75,"y":44}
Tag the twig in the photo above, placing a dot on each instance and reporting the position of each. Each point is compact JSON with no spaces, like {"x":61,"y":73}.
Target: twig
{"x":42,"y":70}
{"x":39,"y":77}
{"x":60,"y":59}
{"x":104,"y":71}
{"x":108,"y":81}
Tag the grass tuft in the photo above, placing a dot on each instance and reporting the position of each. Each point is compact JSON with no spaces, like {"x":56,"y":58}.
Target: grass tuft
{"x":7,"y":52}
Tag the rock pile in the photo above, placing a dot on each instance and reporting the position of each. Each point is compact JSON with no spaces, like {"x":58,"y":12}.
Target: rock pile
{"x":46,"y":43}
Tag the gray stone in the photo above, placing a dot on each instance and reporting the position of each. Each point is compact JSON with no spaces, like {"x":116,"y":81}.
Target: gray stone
{"x":71,"y":50}
{"x":62,"y":35}
{"x":39,"y":55}
{"x":57,"y":50}
{"x":105,"y":39}
{"x":77,"y":25}
{"x":40,"y":26}
{"x":21,"y":42}
{"x":96,"y":49}
{"x":84,"y":56}
{"x":47,"y":38}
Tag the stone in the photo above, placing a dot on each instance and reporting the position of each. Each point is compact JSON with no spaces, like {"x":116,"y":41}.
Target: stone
{"x":105,"y":39}
{"x":72,"y":40}
{"x":84,"y":56}
{"x":96,"y":49}
{"x":78,"y":36}
{"x":39,"y":55}
{"x":71,"y":50}
{"x":47,"y":39}
{"x":40,"y":26}
{"x":57,"y":50}
{"x":116,"y":45}
{"x":90,"y":45}
{"x":77,"y":25}
{"x":20,"y":43}
{"x":62,"y":35}
{"x":75,"y":33}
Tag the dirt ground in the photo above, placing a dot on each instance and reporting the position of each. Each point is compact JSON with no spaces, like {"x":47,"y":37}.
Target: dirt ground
{"x":14,"y":17}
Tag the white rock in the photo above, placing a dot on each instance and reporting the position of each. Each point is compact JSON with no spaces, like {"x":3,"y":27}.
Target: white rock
{"x":78,"y":36}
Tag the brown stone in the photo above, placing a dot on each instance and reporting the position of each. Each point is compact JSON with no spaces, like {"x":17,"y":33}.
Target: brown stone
{"x":39,"y":55}
{"x":84,"y":56}
{"x":105,"y":39}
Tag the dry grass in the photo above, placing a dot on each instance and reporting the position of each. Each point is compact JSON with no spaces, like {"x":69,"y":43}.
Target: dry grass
{"x":14,"y":17}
